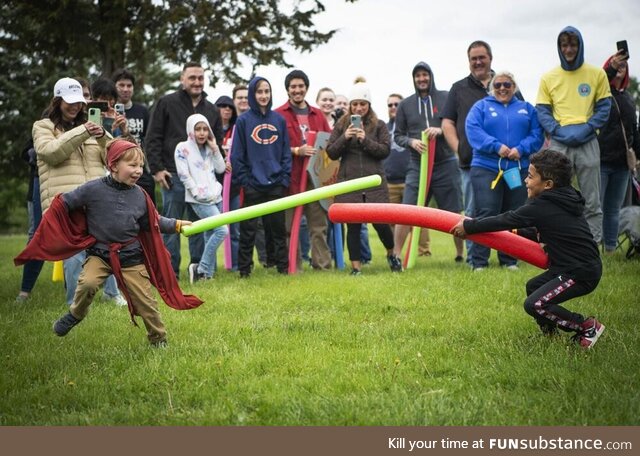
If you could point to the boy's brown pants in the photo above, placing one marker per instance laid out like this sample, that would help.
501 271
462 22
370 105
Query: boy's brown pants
95 271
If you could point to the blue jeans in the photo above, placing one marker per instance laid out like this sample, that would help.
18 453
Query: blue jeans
490 202
305 243
234 230
72 269
469 207
212 238
32 268
613 186
365 249
174 206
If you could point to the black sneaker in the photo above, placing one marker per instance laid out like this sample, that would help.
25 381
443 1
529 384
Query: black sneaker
160 343
65 324
549 330
355 272
194 275
244 275
394 263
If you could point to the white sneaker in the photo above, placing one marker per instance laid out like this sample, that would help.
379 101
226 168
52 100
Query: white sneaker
118 300
512 267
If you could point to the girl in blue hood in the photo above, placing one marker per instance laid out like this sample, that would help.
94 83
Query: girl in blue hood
261 163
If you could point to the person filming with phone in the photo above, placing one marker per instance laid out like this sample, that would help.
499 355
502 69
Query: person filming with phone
361 141
70 151
619 142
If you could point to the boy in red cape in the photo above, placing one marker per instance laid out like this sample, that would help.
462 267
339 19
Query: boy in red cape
115 221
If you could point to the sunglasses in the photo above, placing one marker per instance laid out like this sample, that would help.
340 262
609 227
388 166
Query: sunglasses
506 85
392 105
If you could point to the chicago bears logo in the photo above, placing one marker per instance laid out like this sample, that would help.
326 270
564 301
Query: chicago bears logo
584 90
267 137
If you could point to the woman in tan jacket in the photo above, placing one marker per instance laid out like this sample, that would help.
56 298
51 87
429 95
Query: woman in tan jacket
70 152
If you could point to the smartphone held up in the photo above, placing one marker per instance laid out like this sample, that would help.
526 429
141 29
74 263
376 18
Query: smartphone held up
623 48
356 121
94 116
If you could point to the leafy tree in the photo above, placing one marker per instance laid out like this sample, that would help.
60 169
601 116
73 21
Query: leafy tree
41 41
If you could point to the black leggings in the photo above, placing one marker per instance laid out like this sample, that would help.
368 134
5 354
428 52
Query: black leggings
544 294
353 238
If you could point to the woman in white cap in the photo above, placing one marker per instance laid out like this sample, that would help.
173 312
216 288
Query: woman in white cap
361 141
70 151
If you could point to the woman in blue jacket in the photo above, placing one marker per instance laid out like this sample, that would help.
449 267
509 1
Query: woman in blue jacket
503 132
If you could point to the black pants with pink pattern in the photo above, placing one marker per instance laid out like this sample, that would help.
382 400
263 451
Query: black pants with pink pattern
546 291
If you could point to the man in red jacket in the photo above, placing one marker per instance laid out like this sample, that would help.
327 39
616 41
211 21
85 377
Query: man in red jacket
302 118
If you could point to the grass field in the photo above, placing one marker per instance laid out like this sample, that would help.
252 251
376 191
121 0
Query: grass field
436 345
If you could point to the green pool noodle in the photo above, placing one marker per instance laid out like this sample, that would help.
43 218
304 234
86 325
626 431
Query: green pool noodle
281 204
422 196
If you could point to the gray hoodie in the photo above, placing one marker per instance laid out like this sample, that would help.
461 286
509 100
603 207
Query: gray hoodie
415 114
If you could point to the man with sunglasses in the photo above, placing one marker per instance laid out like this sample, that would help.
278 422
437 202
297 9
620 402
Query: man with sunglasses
416 114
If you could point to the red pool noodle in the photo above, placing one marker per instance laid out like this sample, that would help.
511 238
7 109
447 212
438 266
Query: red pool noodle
437 219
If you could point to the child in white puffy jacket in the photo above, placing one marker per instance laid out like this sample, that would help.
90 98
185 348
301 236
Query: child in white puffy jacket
198 159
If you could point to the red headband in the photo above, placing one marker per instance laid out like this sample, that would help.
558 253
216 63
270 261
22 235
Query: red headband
116 150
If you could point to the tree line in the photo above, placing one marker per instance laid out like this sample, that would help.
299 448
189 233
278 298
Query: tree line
43 41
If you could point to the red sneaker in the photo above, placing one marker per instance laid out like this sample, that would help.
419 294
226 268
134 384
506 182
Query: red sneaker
592 330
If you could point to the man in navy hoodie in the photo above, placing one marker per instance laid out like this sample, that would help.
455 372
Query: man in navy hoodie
261 163
573 103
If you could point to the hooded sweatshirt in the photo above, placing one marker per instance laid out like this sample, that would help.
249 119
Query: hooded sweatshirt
415 114
260 154
196 166
574 98
556 214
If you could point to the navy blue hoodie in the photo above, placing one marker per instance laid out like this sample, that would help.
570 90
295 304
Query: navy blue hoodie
260 153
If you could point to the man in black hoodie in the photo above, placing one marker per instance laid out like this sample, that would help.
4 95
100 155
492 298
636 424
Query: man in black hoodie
554 217
417 113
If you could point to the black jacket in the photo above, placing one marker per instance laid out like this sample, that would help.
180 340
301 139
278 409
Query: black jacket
613 149
168 126
557 215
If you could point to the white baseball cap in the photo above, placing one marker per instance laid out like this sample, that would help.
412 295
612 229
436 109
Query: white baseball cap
69 90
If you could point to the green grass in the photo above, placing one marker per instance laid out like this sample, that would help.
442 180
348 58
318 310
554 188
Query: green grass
437 345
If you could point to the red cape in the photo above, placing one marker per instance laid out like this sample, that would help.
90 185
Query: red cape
61 234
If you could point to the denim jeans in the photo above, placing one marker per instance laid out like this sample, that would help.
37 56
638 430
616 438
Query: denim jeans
490 202
32 268
469 207
212 238
174 206
365 249
73 267
613 186
234 232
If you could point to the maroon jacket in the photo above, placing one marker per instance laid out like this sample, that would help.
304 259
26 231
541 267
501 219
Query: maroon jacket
61 234
317 122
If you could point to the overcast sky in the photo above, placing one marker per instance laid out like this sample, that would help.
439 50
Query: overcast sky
383 39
